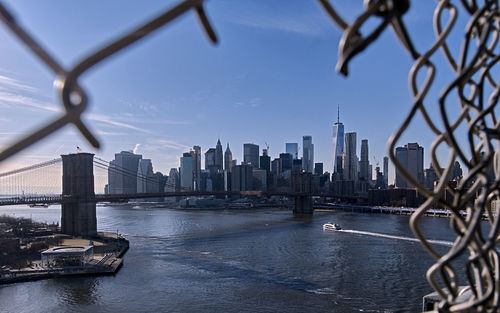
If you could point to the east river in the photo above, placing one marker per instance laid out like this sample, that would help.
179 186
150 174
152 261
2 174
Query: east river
241 261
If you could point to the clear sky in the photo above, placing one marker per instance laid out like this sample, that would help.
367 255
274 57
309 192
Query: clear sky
270 79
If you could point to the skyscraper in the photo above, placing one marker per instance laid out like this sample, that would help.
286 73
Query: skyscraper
145 177
218 156
386 171
350 169
251 154
187 171
228 159
457 171
307 154
242 178
318 168
286 162
293 149
210 160
196 166
338 144
265 161
411 157
364 164
275 166
122 173
173 181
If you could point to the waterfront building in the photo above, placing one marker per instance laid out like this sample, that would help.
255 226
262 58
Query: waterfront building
111 186
122 173
286 162
364 164
227 181
172 184
67 257
293 149
307 154
457 171
251 154
259 179
210 161
196 166
228 159
218 156
338 144
318 168
350 169
145 177
411 156
380 179
431 177
159 181
205 181
265 161
186 171
173 181
242 177
218 181
386 171
296 166
275 166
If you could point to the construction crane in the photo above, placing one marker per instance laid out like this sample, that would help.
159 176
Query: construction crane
267 148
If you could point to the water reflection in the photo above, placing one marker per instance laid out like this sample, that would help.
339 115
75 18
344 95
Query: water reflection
75 291
244 261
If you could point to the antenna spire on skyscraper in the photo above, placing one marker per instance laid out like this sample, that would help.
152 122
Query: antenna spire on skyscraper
338 113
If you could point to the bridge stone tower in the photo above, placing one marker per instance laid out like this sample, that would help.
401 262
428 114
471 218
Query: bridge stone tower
302 183
78 216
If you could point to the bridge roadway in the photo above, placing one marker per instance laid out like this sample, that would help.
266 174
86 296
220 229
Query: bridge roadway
117 197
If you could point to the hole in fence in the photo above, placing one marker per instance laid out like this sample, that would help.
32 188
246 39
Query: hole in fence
75 98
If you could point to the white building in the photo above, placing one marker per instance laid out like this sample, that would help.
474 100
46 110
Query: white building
67 256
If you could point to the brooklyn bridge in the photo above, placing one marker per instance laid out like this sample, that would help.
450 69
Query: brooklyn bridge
82 172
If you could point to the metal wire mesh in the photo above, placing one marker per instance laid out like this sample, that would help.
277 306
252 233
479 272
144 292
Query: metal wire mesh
476 191
478 93
73 97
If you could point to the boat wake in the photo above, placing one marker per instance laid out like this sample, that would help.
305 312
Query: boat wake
367 233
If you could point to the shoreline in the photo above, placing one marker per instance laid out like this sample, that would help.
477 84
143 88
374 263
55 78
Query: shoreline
109 264
385 210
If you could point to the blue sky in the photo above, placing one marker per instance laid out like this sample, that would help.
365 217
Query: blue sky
270 79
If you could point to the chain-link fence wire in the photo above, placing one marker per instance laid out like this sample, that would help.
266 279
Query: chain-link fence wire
473 194
73 97
472 83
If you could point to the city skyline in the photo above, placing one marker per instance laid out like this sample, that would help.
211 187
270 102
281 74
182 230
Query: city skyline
147 99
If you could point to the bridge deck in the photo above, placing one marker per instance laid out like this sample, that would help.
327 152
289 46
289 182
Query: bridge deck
118 197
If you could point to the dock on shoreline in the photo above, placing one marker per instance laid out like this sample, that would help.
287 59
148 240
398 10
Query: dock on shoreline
108 264
383 210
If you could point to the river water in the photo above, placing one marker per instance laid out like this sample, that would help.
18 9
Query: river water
242 261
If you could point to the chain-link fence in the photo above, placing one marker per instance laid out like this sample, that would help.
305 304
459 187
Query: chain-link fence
472 83
73 97
474 194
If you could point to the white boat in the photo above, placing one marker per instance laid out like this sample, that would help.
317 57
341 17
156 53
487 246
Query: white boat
331 226
39 205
